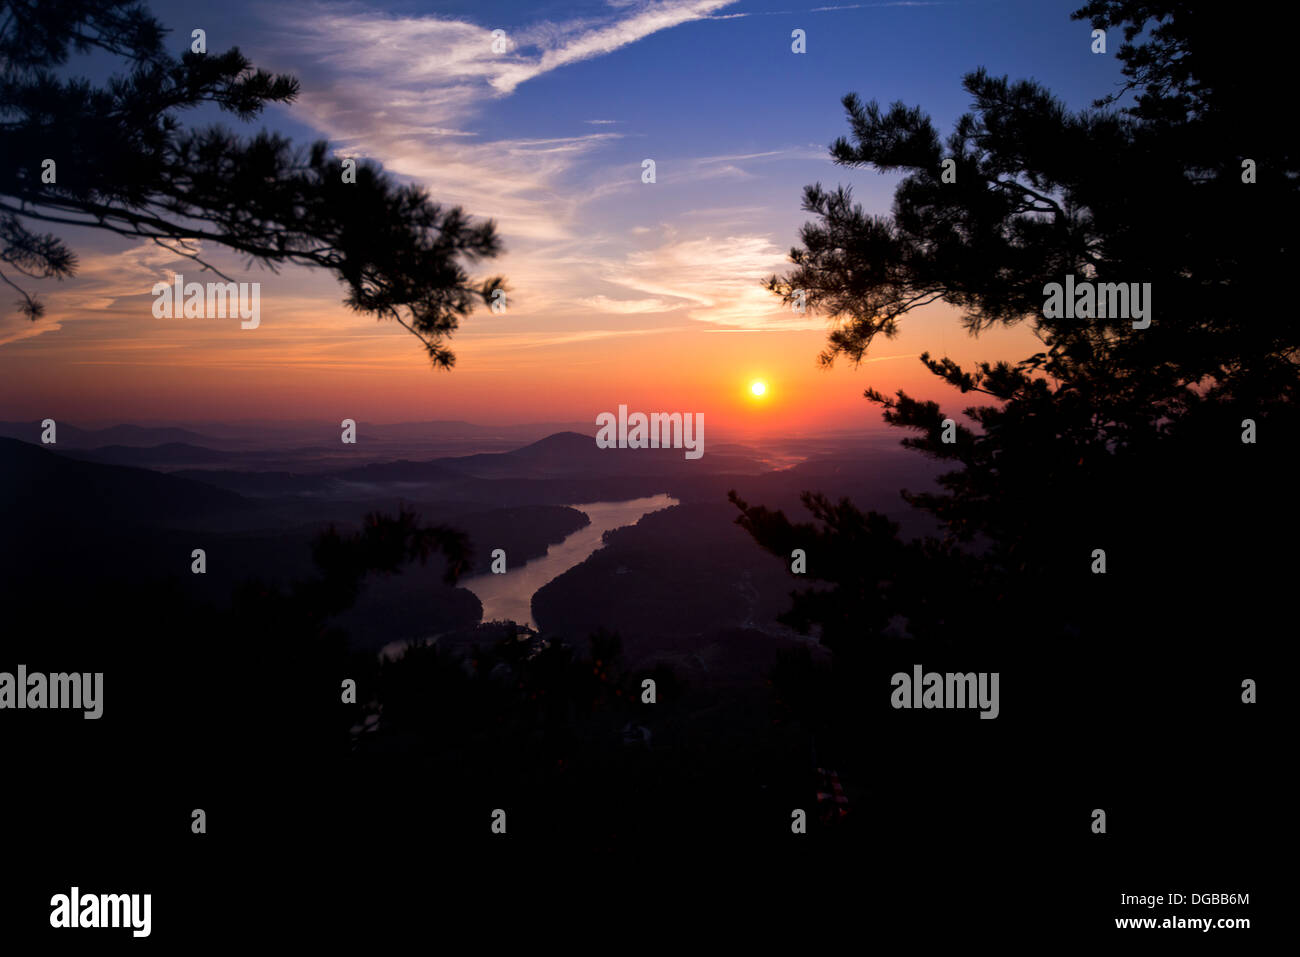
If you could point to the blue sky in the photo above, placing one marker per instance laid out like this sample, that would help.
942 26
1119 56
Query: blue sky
548 139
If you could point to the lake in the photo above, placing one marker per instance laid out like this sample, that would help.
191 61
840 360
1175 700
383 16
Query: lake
510 596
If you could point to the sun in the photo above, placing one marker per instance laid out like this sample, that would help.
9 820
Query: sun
758 388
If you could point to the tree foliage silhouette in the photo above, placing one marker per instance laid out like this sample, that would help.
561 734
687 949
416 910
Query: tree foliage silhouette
125 164
1110 437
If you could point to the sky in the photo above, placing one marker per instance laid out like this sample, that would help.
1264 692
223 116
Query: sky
622 292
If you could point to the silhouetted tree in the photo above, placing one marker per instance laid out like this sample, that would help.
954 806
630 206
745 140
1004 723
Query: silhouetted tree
125 164
384 544
1112 437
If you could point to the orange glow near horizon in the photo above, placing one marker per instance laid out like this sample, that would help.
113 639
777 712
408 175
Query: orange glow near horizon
311 360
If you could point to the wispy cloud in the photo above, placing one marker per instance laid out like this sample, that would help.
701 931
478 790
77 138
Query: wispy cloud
15 327
715 280
648 19
410 108
628 307
102 279
535 341
847 6
891 3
